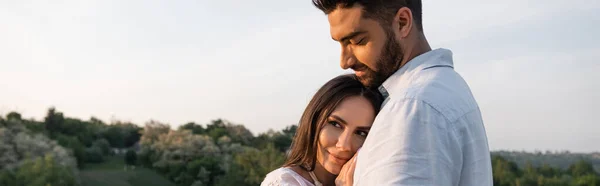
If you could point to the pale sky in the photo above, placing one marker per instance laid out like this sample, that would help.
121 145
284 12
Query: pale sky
532 65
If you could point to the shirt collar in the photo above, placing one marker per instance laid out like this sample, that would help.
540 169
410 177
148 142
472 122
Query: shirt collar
435 58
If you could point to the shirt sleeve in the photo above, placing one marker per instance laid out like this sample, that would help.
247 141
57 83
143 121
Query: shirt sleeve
282 178
409 144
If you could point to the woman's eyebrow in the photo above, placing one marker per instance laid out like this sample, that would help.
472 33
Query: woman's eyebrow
342 121
339 119
363 128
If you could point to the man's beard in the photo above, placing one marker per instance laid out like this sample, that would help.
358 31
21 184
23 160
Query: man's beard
388 62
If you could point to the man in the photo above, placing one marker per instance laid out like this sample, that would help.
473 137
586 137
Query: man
430 130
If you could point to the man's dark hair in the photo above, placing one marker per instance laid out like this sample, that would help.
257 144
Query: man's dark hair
380 10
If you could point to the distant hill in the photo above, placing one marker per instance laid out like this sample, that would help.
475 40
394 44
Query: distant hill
555 159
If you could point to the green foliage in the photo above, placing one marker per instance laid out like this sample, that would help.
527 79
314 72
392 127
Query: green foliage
40 172
78 129
122 135
236 176
145 158
89 141
115 136
112 173
7 178
209 169
587 180
33 159
232 161
34 126
257 163
219 128
103 145
94 155
14 118
132 135
559 159
195 128
216 129
548 171
130 157
221 153
13 115
506 173
581 168
281 140
77 148
53 121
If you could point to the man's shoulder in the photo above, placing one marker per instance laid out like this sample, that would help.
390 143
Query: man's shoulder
441 88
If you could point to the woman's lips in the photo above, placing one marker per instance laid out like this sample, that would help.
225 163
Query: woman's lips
337 159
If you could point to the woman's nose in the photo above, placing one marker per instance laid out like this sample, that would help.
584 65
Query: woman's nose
344 142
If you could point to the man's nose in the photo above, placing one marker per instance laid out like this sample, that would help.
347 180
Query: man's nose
347 59
344 142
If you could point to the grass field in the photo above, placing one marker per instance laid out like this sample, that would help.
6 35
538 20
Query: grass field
111 173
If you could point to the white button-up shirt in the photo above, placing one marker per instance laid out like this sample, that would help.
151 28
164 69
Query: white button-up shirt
429 131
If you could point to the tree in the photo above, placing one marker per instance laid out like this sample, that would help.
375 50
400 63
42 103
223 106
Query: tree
504 172
195 128
130 157
114 135
216 129
182 156
103 146
45 171
548 171
72 143
257 163
132 136
13 115
205 169
290 131
581 168
282 142
33 159
7 178
79 129
587 180
122 134
8 152
94 155
239 134
150 136
53 121
152 131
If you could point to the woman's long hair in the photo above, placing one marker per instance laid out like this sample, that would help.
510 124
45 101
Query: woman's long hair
304 145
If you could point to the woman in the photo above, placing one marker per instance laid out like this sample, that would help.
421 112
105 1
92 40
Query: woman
332 128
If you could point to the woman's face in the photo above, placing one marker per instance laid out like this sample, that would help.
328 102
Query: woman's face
344 132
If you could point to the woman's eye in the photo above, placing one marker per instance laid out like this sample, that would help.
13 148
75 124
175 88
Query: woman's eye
362 133
335 124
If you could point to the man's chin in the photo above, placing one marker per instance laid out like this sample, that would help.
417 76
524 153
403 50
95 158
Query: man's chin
367 82
364 81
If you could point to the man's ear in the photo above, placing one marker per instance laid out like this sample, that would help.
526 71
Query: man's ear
403 23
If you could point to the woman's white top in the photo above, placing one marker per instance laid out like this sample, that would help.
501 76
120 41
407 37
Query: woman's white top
285 176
